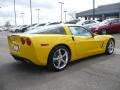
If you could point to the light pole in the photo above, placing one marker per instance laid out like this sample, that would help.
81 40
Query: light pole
15 13
65 15
61 3
38 14
31 11
22 16
93 9
119 13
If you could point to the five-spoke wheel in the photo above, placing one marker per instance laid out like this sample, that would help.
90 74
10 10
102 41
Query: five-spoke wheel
110 47
59 58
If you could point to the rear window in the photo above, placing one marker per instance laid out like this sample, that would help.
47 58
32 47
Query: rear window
52 30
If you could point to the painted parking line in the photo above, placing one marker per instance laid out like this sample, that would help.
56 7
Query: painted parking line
117 51
3 36
3 59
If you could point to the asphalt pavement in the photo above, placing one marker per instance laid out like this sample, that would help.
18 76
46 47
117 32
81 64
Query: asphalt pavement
101 72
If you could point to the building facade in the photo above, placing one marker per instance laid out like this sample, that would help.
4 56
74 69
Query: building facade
102 12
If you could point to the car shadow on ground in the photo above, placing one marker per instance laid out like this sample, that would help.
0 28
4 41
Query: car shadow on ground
89 61
81 63
24 75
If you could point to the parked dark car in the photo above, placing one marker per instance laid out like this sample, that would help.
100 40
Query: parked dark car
24 28
108 26
19 28
85 22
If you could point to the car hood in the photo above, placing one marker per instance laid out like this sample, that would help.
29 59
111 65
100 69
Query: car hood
99 25
90 25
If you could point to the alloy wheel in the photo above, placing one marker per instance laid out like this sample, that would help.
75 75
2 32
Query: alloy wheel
60 58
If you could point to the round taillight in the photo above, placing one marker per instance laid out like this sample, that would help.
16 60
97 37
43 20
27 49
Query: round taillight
23 41
28 41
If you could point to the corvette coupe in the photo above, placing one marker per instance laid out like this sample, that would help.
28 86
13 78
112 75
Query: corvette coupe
57 45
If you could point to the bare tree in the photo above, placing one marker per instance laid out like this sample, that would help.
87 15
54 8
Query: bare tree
72 14
7 25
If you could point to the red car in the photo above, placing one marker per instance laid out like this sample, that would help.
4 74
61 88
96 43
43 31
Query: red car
107 26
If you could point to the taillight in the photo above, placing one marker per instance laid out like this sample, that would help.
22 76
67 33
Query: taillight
23 40
28 41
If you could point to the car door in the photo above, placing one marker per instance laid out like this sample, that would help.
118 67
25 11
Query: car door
85 43
114 26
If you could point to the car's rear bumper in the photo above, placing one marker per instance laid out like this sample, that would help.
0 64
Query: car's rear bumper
22 59
26 60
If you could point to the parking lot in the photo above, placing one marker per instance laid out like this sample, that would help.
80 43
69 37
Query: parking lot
101 72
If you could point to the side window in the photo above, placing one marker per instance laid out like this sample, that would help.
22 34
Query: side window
80 31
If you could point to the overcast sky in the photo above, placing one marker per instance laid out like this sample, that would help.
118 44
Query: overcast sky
50 9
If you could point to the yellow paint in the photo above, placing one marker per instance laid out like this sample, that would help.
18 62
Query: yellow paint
81 46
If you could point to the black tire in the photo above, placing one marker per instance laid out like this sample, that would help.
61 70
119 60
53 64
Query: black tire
110 49
24 29
58 54
118 32
104 32
19 59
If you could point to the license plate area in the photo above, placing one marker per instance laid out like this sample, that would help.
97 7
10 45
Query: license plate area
15 47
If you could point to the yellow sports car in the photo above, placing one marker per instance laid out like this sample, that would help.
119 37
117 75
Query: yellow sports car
57 45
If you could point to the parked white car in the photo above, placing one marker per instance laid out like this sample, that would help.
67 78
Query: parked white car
89 26
36 26
15 29
4 28
85 22
1 29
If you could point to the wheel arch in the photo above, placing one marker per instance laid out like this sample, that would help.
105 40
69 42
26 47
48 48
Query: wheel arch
57 46
106 50
112 39
104 29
